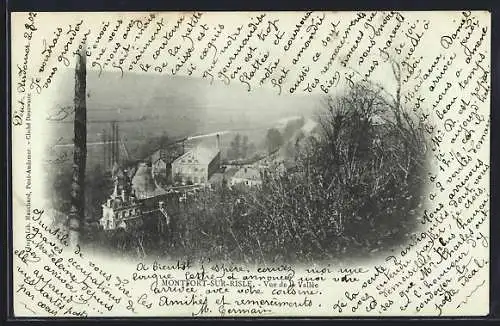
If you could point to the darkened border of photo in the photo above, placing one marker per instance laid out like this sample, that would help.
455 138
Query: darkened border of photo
6 294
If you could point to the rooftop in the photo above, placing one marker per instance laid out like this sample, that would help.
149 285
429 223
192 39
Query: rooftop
248 173
198 155
168 155
143 182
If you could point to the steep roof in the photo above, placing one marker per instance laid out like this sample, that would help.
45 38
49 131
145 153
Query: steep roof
143 182
159 154
198 155
168 155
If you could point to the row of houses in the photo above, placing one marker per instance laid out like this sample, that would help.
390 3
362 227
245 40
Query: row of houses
153 187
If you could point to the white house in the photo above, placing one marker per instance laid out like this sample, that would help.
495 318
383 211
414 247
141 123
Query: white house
249 176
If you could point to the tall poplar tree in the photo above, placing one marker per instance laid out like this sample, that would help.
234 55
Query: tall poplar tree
77 211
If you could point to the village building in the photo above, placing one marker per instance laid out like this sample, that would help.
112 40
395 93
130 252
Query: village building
196 166
118 209
273 162
161 163
143 182
126 211
248 176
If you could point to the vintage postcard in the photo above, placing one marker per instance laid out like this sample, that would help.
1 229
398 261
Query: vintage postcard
250 164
